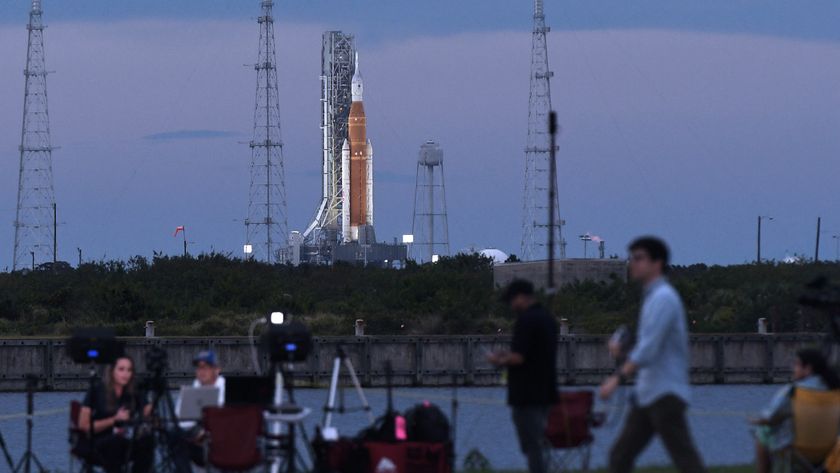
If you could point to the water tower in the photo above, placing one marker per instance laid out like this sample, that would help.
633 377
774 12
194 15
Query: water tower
429 225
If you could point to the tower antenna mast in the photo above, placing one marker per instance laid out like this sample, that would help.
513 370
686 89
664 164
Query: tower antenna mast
34 229
537 152
266 225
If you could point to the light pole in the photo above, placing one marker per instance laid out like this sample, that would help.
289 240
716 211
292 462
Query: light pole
836 247
80 256
758 246
33 259
585 238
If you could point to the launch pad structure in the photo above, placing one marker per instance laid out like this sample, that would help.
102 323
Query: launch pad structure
338 52
342 228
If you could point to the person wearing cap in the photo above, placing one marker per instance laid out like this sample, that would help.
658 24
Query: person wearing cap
531 363
187 446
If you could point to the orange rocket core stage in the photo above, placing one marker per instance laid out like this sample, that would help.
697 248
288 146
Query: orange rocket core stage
357 134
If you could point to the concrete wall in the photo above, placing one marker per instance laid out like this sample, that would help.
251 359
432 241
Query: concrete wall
417 361
565 271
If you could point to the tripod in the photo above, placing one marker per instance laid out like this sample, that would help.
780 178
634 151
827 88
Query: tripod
6 454
164 408
292 415
335 388
25 463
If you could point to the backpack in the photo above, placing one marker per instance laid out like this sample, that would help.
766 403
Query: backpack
427 423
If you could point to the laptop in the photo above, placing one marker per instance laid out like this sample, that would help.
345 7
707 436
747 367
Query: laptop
249 390
194 400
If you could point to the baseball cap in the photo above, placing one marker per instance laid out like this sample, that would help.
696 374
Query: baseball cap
207 356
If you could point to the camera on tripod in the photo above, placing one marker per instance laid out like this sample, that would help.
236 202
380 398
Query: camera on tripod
157 360
289 342
94 346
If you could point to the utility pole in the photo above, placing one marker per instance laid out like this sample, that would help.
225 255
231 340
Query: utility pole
80 256
55 234
758 244
817 250
836 247
552 194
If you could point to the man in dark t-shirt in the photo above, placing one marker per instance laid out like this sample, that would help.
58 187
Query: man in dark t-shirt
532 370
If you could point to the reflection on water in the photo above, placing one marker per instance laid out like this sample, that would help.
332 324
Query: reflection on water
718 418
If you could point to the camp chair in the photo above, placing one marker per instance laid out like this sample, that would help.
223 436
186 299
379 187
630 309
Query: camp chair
816 426
569 431
74 435
234 435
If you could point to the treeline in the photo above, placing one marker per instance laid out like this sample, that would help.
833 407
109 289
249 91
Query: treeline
216 295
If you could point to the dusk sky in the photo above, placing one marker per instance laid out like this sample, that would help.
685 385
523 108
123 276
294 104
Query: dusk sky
684 119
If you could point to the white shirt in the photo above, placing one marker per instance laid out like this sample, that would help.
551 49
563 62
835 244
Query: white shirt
220 384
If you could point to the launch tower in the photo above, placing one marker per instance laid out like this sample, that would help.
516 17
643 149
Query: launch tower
338 52
265 228
34 220
535 215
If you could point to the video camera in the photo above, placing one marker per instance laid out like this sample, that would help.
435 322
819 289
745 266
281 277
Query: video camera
157 360
94 346
289 342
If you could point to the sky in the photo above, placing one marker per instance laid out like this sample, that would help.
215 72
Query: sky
679 118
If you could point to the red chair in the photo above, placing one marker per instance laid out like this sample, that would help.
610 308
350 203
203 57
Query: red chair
569 430
233 437
74 436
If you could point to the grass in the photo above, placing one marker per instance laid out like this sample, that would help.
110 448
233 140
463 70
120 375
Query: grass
671 469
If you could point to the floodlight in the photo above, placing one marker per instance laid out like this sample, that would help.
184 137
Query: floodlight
408 239
435 258
248 249
277 318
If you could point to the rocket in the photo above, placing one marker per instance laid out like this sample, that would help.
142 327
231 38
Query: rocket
356 166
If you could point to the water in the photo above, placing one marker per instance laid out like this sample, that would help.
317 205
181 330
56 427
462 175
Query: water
718 418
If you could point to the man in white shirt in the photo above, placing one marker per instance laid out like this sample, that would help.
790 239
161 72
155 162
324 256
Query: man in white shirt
187 446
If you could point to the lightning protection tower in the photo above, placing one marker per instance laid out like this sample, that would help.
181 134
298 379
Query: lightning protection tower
34 220
429 225
535 219
265 227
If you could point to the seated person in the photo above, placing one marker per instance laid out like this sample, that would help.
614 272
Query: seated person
111 405
188 443
774 431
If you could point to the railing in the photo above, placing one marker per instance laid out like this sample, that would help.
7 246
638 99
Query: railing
416 361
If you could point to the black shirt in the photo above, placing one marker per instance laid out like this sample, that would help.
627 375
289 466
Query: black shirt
534 382
98 400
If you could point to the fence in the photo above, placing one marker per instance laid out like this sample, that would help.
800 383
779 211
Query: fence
416 361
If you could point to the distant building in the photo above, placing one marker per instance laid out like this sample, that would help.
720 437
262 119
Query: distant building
566 271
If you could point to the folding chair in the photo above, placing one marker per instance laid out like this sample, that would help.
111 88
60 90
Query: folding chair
569 433
234 435
74 435
816 426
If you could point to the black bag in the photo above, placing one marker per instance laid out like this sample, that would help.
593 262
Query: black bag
427 423
384 429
